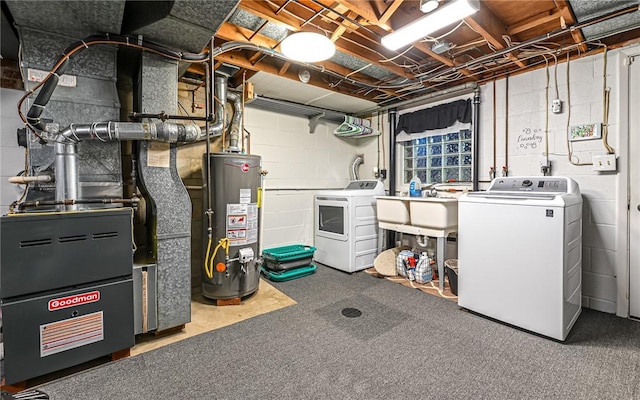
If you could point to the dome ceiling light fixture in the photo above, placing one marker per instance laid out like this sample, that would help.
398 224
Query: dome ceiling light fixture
307 47
428 5
446 15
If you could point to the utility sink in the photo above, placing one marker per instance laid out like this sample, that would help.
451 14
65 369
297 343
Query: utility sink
439 213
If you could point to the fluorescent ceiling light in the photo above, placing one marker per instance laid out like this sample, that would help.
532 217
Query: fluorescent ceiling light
307 47
446 15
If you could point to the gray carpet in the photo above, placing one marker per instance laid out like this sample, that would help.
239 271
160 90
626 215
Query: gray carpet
406 345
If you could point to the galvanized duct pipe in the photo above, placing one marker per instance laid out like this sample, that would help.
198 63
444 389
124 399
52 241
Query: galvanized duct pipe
234 129
168 132
65 142
66 174
354 166
220 99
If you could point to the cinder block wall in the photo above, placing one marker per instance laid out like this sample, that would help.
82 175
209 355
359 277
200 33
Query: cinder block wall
299 163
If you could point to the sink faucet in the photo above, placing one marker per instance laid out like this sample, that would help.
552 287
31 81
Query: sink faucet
429 190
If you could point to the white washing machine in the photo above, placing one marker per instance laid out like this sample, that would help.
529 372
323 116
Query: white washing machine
346 232
520 253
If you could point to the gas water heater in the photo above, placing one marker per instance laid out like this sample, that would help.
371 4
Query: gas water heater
232 202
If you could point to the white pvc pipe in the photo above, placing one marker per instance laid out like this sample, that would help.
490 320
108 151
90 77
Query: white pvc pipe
27 179
423 243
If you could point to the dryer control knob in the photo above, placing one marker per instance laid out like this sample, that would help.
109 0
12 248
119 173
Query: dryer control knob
527 183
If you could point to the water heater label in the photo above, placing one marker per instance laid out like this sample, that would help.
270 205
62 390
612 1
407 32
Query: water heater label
242 223
71 333
75 300
245 196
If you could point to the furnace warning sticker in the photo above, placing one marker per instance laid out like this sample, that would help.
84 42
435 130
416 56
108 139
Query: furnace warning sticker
159 154
71 333
242 223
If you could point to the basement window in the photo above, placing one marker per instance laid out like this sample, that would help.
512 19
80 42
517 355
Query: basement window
438 158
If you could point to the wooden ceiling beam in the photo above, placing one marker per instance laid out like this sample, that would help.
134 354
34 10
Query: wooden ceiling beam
284 68
492 29
239 59
231 32
349 45
535 21
576 34
343 27
364 8
382 21
236 80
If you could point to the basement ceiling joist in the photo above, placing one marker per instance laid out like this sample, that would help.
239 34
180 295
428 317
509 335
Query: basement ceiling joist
503 37
486 45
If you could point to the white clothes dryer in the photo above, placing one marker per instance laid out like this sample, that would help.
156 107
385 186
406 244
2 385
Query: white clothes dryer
346 233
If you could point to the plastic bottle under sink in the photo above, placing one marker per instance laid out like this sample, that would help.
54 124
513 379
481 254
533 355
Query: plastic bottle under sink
415 187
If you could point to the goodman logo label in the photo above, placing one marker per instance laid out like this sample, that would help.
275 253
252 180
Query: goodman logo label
75 300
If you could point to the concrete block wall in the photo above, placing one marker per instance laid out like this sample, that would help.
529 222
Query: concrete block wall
299 164
524 143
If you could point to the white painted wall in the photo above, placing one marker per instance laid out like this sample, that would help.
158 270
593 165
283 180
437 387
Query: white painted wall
604 213
11 156
300 163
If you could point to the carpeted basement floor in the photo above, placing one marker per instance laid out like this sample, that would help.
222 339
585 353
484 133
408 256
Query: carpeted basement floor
405 345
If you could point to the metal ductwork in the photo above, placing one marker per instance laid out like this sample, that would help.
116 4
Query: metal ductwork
359 159
75 169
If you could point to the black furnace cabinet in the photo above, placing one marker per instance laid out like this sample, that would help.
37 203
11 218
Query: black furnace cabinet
66 289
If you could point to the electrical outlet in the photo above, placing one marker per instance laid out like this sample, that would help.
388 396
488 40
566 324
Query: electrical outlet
606 162
556 106
545 167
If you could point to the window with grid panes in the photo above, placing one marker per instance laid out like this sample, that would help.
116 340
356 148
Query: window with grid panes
439 158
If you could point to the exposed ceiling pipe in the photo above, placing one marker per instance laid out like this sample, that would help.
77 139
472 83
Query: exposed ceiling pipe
465 88
532 41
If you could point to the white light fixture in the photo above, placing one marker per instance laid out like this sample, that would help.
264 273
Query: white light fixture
428 5
446 15
307 47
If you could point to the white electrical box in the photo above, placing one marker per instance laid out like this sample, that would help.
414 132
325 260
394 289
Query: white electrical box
605 162
245 255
